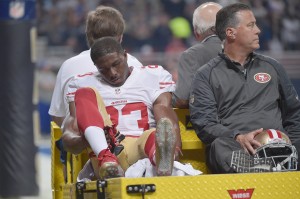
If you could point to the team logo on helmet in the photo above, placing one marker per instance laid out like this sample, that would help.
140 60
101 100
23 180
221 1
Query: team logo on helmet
262 77
276 136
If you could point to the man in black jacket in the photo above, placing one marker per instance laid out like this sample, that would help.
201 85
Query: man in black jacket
238 94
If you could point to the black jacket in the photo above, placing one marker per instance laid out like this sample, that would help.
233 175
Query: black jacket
225 100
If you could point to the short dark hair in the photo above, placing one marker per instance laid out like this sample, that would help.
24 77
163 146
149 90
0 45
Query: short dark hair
226 17
102 22
104 46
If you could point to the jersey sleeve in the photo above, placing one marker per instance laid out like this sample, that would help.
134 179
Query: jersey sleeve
72 87
57 106
165 82
84 80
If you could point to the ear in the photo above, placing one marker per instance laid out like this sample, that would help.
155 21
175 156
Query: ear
197 36
230 33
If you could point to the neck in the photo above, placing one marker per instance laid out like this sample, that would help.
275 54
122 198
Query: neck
130 68
235 53
203 36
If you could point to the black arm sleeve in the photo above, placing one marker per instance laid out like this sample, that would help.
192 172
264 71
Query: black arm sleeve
290 104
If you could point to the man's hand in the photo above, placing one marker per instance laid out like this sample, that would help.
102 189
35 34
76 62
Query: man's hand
247 141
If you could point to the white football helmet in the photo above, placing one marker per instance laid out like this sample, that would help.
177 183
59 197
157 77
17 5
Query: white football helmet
276 154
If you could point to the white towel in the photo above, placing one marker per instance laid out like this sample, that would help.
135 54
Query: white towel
86 173
145 168
142 168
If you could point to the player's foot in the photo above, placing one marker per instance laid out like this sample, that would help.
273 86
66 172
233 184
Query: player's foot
165 141
108 165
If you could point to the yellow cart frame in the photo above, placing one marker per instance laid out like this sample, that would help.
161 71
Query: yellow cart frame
235 186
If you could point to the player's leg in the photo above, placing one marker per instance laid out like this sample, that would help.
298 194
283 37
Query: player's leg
130 153
92 118
159 146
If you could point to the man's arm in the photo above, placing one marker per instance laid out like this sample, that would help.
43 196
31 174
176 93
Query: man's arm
179 103
57 120
162 108
72 139
203 110
289 104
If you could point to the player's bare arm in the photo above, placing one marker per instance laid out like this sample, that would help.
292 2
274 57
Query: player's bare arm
180 103
73 141
57 120
162 107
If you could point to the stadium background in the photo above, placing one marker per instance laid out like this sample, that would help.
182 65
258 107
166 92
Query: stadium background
153 36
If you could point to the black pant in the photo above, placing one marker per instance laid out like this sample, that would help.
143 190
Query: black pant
218 154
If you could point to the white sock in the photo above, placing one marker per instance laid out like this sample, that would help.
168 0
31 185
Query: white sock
96 138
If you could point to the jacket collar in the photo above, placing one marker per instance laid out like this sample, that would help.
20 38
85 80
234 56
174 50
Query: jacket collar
235 65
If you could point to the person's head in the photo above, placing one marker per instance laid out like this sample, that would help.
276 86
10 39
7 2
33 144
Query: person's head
204 19
111 60
102 22
236 23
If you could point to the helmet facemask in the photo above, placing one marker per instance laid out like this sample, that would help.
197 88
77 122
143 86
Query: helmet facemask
276 154
280 156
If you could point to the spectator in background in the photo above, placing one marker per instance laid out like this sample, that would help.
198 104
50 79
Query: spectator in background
290 32
276 9
162 33
209 45
104 21
74 30
263 22
174 8
269 14
181 30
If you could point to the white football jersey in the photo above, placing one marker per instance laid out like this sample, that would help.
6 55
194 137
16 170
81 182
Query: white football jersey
130 106
79 64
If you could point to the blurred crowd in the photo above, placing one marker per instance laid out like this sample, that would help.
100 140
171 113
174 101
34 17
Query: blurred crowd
163 25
